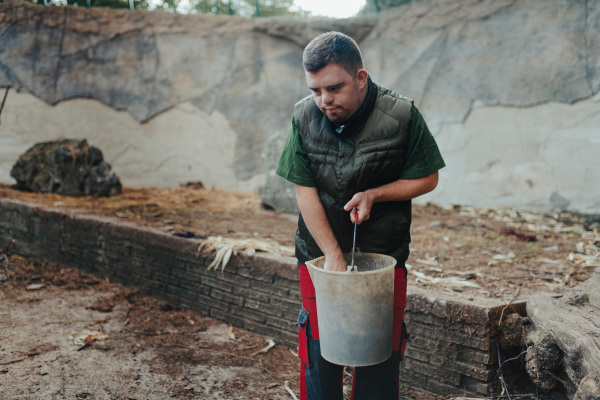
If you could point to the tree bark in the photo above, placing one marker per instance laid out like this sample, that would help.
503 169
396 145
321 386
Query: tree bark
564 352
589 388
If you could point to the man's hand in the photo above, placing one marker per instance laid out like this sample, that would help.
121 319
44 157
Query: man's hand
402 189
316 221
335 262
360 204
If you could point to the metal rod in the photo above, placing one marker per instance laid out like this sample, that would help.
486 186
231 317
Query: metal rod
354 241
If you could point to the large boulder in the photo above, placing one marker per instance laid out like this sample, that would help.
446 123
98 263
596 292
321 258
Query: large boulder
278 193
66 166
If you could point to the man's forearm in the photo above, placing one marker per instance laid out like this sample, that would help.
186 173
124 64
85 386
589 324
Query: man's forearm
317 223
402 189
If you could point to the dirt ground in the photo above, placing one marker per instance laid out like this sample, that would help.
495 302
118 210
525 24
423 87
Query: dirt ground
69 335
134 347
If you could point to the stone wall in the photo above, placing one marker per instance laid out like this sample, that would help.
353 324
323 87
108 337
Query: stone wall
453 344
452 348
508 87
258 293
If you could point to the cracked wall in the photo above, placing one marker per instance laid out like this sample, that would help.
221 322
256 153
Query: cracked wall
540 157
507 87
164 151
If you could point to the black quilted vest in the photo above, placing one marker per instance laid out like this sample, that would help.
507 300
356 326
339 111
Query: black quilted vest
369 153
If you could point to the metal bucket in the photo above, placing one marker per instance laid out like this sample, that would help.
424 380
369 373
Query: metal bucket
355 309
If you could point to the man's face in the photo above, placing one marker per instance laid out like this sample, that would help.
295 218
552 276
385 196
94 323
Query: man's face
337 93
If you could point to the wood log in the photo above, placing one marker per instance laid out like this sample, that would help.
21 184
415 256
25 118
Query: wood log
511 334
589 388
565 340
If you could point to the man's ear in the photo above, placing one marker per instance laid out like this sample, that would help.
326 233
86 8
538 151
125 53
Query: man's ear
361 77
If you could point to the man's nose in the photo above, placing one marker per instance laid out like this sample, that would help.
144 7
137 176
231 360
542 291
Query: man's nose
326 98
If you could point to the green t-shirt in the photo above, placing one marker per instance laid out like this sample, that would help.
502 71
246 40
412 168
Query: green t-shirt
422 155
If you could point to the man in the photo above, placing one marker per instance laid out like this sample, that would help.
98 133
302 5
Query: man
354 149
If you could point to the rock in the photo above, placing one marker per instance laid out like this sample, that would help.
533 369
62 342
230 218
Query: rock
559 202
278 193
66 166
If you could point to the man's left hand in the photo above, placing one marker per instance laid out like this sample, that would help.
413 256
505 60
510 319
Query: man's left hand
400 190
360 204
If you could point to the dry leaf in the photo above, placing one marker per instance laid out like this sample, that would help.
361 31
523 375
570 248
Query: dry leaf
86 336
585 260
498 258
226 247
449 281
429 261
264 349
287 387
503 257
549 261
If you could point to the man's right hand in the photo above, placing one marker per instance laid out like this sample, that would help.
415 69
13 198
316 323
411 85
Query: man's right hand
335 263
316 221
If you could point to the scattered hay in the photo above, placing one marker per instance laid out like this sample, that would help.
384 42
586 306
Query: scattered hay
226 247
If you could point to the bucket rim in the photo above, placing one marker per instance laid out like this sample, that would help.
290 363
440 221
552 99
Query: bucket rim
310 265
338 361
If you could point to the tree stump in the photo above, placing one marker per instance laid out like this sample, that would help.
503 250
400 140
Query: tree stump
564 342
589 388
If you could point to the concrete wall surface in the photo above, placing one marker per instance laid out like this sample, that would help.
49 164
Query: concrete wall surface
509 89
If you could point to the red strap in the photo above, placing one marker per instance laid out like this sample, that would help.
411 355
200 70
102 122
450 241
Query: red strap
353 383
307 289
399 306
302 382
309 302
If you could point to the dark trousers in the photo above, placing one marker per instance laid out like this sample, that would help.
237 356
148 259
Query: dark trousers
324 379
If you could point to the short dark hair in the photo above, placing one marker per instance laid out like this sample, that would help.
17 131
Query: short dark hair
332 47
